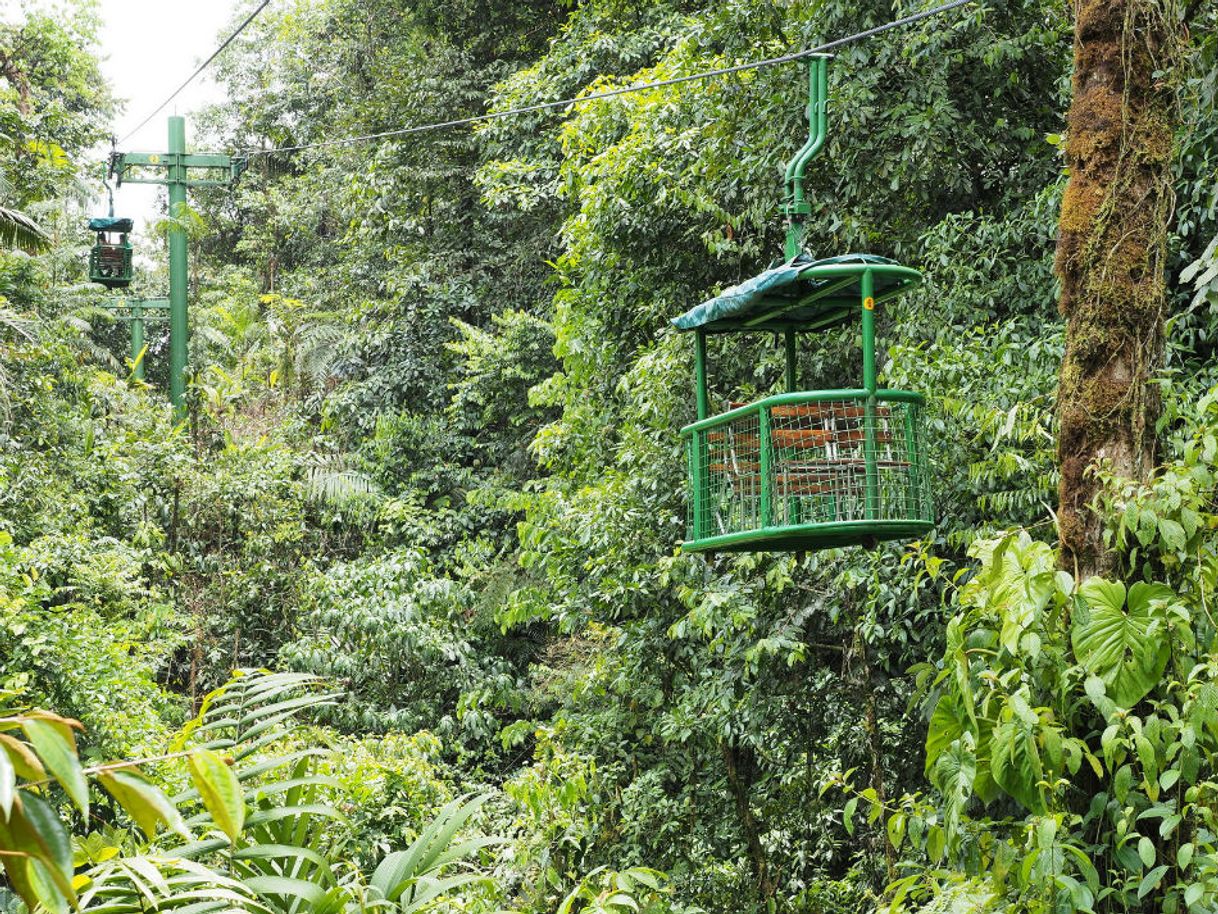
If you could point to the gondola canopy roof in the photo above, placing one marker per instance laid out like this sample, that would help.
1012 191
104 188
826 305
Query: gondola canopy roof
802 293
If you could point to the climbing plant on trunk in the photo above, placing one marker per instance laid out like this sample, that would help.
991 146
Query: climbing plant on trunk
1111 254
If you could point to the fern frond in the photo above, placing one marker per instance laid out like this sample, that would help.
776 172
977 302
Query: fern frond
337 485
254 704
17 325
152 883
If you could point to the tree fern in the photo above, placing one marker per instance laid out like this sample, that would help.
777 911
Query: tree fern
329 479
261 832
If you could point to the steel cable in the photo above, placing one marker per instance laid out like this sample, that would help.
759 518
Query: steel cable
624 90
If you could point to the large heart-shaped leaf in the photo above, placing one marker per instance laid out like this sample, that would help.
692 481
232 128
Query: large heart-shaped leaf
948 723
1126 646
1015 583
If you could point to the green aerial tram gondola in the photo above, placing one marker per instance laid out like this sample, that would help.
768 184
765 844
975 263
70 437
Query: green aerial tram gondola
110 258
805 470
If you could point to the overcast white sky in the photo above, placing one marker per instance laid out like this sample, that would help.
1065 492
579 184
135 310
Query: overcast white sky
149 47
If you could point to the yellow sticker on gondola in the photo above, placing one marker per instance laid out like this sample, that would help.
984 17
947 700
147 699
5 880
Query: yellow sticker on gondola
154 159
869 303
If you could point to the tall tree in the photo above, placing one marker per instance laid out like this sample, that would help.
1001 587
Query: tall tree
1111 254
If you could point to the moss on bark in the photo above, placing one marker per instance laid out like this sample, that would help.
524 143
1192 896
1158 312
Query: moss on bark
1111 253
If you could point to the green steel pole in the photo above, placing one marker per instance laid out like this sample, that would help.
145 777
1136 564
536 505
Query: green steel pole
766 452
797 206
698 441
867 283
869 384
793 512
700 370
179 327
137 341
789 346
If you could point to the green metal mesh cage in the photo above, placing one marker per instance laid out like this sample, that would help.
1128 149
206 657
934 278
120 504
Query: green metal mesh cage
111 264
808 470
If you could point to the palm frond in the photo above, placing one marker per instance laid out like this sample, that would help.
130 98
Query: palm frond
18 230
249 712
17 325
152 883
316 350
280 854
283 860
414 877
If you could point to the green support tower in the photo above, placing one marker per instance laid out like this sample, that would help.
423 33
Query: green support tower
176 169
137 311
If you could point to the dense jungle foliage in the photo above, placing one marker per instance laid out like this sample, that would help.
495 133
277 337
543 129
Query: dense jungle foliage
396 620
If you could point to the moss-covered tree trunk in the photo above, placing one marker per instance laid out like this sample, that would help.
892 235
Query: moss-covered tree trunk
741 771
1111 254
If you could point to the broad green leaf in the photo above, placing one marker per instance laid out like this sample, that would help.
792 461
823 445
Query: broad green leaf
1146 850
948 722
1098 693
34 829
1085 866
1151 881
649 877
896 829
848 814
52 739
954 775
220 791
1080 894
1016 764
52 835
1128 855
1150 765
1016 582
1121 782
936 839
143 801
1184 856
1116 643
1172 533
25 762
45 885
